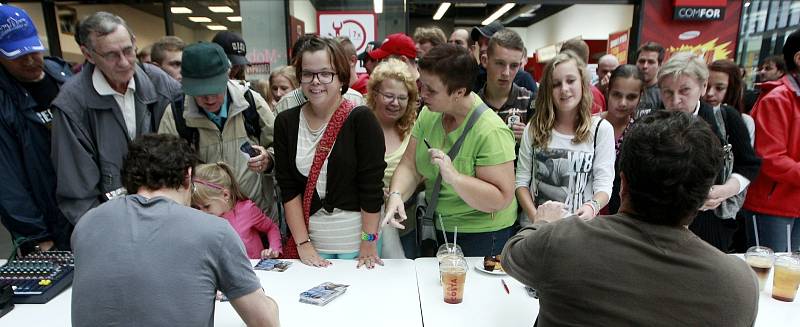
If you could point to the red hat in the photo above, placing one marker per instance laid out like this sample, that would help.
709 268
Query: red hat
395 44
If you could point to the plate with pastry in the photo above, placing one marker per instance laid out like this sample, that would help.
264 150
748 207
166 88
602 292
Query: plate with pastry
491 265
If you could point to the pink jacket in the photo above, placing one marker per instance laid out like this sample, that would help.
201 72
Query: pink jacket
249 221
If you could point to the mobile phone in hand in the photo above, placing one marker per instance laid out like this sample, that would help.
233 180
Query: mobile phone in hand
248 150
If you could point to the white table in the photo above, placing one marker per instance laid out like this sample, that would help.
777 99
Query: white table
487 304
384 296
485 301
772 312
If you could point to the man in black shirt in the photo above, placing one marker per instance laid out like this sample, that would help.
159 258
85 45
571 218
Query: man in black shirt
28 84
502 61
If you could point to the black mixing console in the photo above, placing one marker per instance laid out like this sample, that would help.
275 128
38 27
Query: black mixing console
39 276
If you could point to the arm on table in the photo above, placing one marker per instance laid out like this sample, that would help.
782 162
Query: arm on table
257 309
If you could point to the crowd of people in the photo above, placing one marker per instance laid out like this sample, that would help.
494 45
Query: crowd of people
133 160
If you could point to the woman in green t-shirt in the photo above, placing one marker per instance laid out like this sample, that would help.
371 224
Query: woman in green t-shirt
477 188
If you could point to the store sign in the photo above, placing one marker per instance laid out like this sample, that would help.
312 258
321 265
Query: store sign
699 10
359 26
710 39
684 13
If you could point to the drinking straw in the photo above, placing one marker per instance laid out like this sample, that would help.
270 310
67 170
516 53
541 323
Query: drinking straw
455 238
441 223
789 238
755 230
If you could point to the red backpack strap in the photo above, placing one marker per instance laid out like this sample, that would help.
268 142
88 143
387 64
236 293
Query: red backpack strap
323 149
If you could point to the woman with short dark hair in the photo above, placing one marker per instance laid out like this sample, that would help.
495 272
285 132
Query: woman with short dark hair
477 184
329 157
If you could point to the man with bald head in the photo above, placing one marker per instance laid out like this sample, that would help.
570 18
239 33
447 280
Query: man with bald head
605 65
460 37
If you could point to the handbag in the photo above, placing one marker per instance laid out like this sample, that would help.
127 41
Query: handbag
320 155
428 227
728 208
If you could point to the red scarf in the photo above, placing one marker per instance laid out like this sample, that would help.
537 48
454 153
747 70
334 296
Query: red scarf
323 149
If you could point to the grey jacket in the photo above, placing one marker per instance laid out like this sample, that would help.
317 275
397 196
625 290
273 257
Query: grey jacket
90 139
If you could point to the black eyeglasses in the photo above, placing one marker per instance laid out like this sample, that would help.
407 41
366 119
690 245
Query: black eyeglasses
115 56
389 98
323 77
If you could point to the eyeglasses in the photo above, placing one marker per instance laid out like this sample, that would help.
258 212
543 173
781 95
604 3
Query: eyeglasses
322 77
389 98
115 56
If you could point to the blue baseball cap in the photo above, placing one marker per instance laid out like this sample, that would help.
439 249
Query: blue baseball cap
18 35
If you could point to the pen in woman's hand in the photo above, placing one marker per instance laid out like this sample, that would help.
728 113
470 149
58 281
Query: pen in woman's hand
426 143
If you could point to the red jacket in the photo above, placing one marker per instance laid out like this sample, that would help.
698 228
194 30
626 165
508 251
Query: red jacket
776 190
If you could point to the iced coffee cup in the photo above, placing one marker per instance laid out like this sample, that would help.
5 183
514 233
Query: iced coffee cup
760 259
454 273
786 278
445 250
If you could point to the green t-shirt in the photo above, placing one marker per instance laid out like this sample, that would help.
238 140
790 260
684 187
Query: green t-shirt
489 142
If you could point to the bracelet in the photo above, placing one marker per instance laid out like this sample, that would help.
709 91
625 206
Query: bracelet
369 237
304 242
396 192
595 206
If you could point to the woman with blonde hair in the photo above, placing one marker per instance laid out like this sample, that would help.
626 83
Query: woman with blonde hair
564 134
392 95
281 81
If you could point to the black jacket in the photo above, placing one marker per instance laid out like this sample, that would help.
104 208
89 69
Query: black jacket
745 161
28 207
355 164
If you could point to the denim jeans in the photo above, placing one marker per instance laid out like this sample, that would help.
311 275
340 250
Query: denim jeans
479 244
772 231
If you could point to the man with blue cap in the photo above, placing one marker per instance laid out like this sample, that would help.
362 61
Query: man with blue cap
28 84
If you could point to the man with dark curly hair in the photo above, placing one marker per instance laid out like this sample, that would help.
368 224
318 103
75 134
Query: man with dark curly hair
642 266
149 259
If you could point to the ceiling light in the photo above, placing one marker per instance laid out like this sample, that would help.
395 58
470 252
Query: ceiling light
220 8
235 18
440 12
200 19
180 10
500 12
378 4
216 27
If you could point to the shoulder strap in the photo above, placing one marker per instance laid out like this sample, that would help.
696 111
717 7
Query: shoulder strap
252 124
719 119
437 186
596 129
187 133
323 148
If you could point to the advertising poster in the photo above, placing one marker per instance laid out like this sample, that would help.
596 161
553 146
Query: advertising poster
706 27
359 26
618 46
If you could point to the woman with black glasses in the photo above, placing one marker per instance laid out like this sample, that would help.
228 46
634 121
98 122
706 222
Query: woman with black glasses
329 157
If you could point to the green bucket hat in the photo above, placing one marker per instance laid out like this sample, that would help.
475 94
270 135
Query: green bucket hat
204 67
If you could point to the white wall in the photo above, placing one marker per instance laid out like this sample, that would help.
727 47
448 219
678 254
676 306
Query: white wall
590 22
305 11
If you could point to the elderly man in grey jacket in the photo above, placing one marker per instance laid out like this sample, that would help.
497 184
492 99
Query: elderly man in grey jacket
111 102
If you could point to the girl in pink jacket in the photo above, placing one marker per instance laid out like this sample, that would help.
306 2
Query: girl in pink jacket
217 193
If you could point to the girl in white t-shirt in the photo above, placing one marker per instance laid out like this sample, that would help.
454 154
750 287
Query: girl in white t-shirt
576 149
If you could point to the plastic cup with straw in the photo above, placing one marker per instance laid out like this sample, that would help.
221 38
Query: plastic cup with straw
760 259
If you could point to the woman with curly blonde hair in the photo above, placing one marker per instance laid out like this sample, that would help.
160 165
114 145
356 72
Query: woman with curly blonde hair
568 155
392 95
